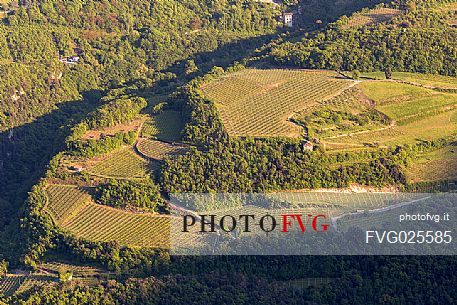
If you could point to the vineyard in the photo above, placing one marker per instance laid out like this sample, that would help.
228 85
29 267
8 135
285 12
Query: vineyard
65 201
76 270
402 101
157 150
417 113
10 284
101 223
16 284
259 103
437 165
122 164
346 113
371 17
166 126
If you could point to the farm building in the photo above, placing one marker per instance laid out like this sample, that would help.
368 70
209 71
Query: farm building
308 146
288 19
72 60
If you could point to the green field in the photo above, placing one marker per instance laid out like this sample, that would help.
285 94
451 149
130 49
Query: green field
123 164
417 114
402 101
438 81
166 126
430 128
345 113
434 166
259 103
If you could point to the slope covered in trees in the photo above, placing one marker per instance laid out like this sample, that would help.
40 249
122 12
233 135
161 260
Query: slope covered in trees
120 62
416 41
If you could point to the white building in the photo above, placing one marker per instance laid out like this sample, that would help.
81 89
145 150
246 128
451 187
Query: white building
288 19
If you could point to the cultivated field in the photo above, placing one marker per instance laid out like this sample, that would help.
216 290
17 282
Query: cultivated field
166 126
101 223
348 112
10 284
417 114
259 103
65 201
371 17
157 150
75 213
123 164
340 113
434 166
428 80
404 102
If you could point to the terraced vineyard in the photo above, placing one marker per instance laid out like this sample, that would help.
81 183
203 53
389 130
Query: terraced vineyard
65 201
157 150
166 126
259 103
34 281
10 284
371 17
101 223
404 102
122 164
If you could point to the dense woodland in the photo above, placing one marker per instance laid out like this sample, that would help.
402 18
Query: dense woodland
273 280
419 41
128 49
125 40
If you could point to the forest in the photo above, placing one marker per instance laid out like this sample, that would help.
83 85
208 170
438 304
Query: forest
72 68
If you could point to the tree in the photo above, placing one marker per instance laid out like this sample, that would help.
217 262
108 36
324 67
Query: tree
65 275
191 67
388 72
3 268
355 74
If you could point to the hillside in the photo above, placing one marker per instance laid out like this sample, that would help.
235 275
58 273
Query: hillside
111 109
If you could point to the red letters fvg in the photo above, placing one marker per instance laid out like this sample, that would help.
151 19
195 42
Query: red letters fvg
288 219
246 223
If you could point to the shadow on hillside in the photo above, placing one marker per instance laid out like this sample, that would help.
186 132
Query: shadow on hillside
25 151
223 56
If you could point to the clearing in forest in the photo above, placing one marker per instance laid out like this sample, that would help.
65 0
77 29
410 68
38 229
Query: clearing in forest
259 103
166 126
111 131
